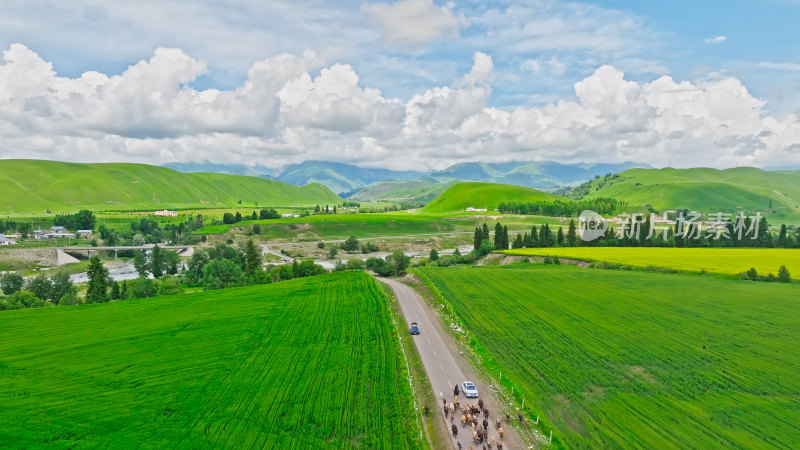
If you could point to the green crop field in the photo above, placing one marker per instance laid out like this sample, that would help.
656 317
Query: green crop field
774 193
307 363
483 195
616 359
716 260
30 186
339 226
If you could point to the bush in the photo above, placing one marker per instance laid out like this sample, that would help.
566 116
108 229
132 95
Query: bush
321 244
70 298
783 275
221 273
143 288
369 247
353 264
752 274
11 283
485 248
26 298
170 286
399 260
350 245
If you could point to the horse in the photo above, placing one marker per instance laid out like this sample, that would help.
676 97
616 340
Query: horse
475 436
485 424
455 390
480 403
497 423
455 430
500 432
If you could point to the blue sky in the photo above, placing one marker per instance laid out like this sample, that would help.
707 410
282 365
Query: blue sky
538 51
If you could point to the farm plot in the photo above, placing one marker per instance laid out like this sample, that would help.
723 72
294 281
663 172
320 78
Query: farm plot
716 260
637 359
308 363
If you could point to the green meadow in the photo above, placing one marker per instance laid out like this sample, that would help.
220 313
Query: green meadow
307 363
619 359
339 226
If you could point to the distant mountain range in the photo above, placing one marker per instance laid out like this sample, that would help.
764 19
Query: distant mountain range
359 183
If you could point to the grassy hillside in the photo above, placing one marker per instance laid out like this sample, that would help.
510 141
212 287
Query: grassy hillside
706 190
483 195
32 186
414 191
309 363
715 260
616 359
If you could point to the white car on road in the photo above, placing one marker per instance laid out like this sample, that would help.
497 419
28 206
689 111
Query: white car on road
469 389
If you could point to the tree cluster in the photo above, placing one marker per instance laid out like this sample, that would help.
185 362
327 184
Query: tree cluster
223 266
783 275
562 208
41 290
82 220
327 210
394 264
158 262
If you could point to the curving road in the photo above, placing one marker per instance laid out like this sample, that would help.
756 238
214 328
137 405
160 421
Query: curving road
440 365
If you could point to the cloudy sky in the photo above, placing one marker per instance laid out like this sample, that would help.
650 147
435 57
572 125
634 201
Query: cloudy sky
411 84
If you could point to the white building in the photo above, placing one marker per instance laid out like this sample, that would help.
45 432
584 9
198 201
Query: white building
166 213
6 241
471 209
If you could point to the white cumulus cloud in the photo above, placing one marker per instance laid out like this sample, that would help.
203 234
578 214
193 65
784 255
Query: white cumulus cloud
716 40
294 108
413 22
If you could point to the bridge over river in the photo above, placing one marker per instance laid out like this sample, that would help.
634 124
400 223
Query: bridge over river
62 253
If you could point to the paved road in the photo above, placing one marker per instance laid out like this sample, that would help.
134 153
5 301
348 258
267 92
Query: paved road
441 366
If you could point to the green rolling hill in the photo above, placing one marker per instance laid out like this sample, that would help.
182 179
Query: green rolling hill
483 195
774 193
32 186
411 191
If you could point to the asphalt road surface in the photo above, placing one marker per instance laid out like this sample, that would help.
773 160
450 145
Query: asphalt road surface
440 364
